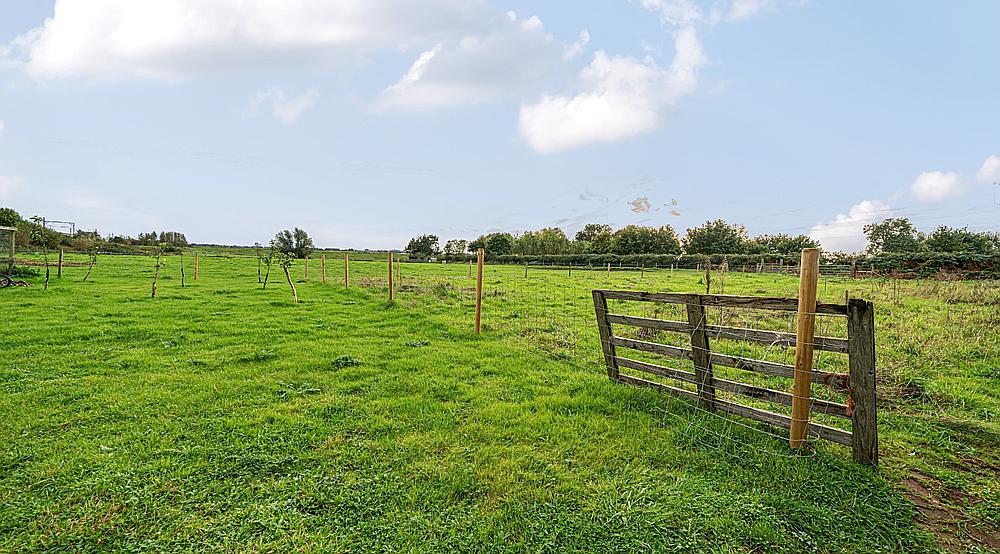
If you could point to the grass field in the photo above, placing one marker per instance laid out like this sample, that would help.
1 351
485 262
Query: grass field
219 416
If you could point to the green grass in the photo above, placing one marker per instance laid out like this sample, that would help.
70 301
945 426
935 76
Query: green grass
221 417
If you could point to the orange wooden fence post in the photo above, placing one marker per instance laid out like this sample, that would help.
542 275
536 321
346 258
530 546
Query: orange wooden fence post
390 276
195 266
479 289
323 263
347 272
804 336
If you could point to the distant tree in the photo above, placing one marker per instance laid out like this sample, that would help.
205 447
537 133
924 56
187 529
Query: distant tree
548 241
716 237
267 258
494 244
424 246
948 239
635 239
892 236
173 238
780 244
156 274
303 244
92 251
9 218
259 252
595 238
455 249
47 240
284 260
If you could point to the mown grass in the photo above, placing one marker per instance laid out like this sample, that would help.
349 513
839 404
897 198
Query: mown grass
221 417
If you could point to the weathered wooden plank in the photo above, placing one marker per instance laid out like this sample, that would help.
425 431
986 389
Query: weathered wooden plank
642 296
864 414
701 354
649 323
832 434
777 338
665 349
774 369
779 397
663 371
640 382
604 329
724 300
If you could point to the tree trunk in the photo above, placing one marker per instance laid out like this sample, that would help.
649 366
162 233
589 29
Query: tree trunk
295 294
266 275
89 269
156 276
182 270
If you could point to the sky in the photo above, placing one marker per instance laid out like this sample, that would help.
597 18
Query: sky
367 122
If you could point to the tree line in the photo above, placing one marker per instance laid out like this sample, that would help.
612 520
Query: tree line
711 238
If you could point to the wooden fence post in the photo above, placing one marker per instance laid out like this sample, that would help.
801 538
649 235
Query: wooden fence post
323 263
604 329
861 357
470 267
708 274
195 266
59 271
390 276
479 289
804 335
347 272
609 271
700 352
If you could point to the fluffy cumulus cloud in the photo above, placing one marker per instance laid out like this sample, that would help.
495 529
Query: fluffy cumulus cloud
934 186
846 232
513 57
178 39
616 97
285 108
988 173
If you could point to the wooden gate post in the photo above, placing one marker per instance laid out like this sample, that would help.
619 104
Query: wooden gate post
390 276
804 335
479 289
347 272
604 329
700 353
861 357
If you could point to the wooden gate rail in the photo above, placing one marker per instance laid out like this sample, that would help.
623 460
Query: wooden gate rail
859 382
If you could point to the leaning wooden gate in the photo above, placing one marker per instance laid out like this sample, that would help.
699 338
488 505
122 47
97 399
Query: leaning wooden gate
859 346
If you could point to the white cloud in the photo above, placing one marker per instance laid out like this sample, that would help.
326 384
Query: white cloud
675 12
518 55
178 39
284 108
743 9
989 172
846 232
934 186
9 185
618 97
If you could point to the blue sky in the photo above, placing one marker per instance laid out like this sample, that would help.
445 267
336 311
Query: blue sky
367 122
